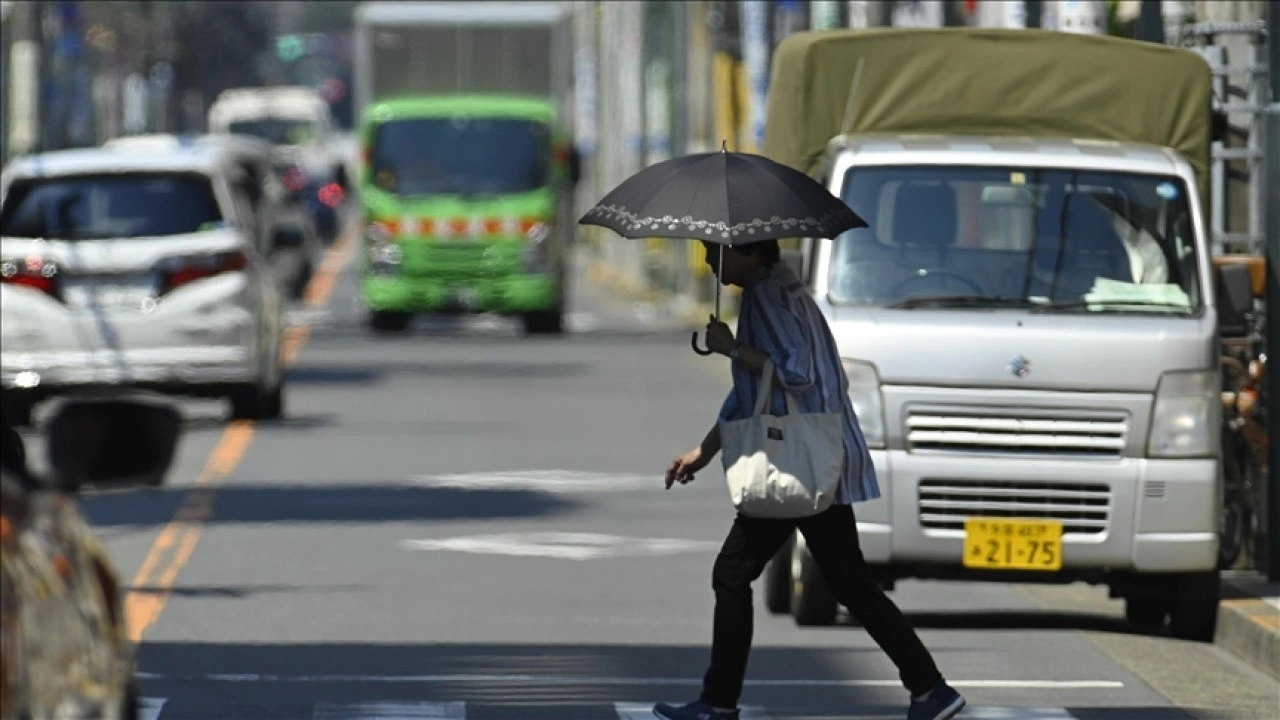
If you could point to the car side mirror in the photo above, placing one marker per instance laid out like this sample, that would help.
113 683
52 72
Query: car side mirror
112 441
1234 299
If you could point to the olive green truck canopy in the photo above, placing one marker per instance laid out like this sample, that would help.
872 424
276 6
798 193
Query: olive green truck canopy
963 81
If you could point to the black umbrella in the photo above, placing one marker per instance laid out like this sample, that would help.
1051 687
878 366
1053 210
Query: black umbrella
722 197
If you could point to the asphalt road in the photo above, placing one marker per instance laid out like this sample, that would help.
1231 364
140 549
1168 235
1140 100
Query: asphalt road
467 523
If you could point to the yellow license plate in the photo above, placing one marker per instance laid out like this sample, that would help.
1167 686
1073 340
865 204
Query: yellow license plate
1000 544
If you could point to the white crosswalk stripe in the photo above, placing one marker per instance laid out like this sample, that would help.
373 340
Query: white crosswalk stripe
158 708
149 708
391 711
644 711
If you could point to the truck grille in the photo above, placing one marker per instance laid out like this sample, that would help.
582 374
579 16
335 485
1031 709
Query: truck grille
1082 509
1020 435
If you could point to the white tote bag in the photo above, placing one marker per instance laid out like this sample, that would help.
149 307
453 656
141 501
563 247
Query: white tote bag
782 467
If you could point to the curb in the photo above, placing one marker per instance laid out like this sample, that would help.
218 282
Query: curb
1249 628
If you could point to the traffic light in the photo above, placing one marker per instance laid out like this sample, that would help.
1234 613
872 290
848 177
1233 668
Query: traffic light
289 47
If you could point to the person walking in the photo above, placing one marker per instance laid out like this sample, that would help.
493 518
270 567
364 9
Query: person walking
778 320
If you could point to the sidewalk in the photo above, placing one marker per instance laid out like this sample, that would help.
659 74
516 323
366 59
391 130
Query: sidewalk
1249 620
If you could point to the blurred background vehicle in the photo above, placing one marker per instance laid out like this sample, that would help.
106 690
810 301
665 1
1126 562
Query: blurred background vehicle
139 268
285 228
469 169
297 122
65 650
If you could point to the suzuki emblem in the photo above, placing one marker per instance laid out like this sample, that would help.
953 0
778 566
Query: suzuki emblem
1019 366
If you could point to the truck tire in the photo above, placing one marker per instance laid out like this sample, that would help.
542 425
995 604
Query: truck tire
777 580
811 601
387 321
543 322
258 403
1147 612
1193 614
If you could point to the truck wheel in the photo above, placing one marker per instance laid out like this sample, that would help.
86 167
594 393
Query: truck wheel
811 601
1194 611
258 403
777 580
387 321
1146 611
543 322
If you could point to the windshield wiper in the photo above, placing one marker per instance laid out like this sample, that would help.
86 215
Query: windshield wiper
960 301
1110 304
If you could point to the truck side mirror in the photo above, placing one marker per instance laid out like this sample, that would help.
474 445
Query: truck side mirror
1234 299
575 166
1218 127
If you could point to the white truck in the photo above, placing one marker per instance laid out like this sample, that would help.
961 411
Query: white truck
1029 324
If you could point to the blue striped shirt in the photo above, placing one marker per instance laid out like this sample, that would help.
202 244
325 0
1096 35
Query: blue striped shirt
779 318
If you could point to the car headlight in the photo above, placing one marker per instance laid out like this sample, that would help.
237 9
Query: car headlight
1186 415
868 405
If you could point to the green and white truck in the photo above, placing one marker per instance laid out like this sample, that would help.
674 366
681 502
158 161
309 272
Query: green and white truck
467 162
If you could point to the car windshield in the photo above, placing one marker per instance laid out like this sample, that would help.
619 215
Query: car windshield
1055 239
461 156
277 131
109 206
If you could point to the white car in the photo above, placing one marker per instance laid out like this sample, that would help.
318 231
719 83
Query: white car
137 268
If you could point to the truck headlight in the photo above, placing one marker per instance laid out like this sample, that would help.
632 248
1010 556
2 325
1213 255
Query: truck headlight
868 405
537 249
384 256
1186 415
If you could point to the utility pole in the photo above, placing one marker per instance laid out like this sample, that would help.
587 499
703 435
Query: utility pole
1273 291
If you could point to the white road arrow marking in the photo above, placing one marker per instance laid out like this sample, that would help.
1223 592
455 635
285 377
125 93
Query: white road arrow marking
149 708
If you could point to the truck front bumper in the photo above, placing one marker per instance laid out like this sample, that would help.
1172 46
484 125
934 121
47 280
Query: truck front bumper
505 295
1157 516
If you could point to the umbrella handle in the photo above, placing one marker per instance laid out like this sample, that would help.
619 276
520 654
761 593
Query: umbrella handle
694 342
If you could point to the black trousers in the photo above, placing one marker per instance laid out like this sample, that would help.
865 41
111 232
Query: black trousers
832 539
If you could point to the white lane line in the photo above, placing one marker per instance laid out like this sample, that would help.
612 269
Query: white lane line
1015 713
149 708
554 481
620 680
562 545
644 711
391 711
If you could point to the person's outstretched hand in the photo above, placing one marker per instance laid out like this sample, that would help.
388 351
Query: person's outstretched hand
685 466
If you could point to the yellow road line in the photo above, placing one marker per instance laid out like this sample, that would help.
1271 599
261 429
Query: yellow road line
173 547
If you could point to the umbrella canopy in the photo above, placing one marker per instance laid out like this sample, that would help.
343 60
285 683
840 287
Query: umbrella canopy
722 197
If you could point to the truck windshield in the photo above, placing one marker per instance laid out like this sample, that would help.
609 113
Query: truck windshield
460 156
1062 239
95 207
277 131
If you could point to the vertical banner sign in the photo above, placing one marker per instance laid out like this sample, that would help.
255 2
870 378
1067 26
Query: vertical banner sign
859 14
632 85
918 14
755 58
24 74
584 62
1088 17
824 14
